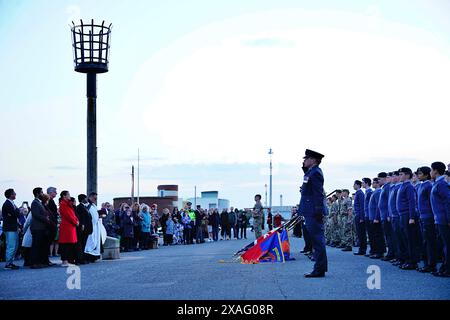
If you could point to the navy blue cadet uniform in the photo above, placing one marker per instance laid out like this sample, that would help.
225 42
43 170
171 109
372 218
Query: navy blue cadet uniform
313 208
406 207
440 204
358 208
385 221
377 246
367 196
427 224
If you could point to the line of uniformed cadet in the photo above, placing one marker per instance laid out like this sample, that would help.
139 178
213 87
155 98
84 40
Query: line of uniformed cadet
403 216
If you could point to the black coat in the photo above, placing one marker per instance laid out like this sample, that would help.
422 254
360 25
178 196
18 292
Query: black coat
40 220
224 219
85 219
127 225
10 216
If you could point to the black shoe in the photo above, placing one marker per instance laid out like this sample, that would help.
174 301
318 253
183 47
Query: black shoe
315 275
307 253
409 266
427 269
359 253
304 251
367 255
441 274
387 258
11 266
51 264
376 256
346 249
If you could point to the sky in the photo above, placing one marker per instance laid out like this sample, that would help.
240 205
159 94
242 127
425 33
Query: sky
205 88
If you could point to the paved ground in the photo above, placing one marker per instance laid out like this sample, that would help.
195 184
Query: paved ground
194 272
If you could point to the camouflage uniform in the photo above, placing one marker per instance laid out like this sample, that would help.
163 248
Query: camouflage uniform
335 229
331 221
345 223
257 219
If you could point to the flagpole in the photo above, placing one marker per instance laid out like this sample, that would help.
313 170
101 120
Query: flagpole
138 179
132 184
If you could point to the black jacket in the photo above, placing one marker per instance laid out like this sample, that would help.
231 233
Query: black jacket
40 220
85 219
10 215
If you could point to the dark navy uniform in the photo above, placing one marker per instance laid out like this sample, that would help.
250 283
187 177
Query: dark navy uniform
313 208
406 207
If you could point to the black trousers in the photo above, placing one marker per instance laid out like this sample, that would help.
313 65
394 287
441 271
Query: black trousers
379 246
143 243
137 236
226 231
236 231
68 252
215 232
187 235
243 231
26 252
387 232
362 235
429 236
444 234
39 247
409 233
128 243
369 231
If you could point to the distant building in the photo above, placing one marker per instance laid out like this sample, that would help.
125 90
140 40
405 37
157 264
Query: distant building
167 198
210 200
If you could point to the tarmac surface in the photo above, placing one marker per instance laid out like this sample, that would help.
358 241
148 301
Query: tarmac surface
195 272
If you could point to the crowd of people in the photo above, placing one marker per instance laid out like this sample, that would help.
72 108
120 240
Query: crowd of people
45 229
76 231
403 216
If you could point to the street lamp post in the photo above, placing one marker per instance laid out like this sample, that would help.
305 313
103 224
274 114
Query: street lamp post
270 192
91 43
265 198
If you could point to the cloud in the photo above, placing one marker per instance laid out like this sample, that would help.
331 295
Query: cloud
350 95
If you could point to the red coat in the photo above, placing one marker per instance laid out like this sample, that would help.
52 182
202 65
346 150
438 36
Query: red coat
68 226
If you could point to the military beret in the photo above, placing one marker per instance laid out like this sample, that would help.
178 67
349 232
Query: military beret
405 170
313 154
425 170
382 175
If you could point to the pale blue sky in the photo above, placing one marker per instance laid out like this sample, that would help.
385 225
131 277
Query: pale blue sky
196 84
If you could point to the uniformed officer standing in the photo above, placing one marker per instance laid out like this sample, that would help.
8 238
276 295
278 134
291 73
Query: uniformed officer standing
313 208
257 216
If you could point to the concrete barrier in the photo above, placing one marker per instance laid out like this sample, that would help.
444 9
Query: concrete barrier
111 248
